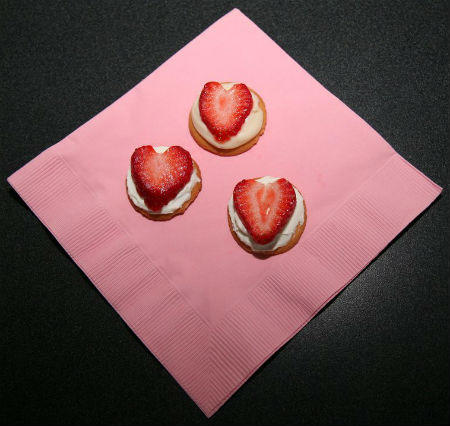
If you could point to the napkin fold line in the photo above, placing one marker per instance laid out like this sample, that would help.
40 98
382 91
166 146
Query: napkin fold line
212 362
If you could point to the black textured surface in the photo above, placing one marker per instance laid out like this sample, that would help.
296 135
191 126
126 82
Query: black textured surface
378 354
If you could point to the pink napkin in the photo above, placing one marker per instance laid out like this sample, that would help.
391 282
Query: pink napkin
210 312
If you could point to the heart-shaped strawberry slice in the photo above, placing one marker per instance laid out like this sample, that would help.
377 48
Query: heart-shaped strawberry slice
224 111
159 177
264 208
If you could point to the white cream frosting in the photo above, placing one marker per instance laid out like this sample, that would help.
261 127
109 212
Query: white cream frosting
283 237
251 127
172 205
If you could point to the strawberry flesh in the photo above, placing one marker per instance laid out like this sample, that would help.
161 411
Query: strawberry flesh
224 111
264 209
160 177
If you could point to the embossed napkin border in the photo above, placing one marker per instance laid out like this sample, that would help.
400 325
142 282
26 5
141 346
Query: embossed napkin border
212 362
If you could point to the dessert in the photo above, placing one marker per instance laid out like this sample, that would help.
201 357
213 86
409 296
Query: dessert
162 181
227 118
266 215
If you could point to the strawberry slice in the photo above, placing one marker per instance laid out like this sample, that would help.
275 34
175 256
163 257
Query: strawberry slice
160 177
224 111
264 208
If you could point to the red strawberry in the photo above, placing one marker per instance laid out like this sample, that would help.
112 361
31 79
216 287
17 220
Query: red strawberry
159 177
264 208
224 111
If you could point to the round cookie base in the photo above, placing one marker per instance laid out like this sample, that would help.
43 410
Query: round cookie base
233 151
260 254
162 217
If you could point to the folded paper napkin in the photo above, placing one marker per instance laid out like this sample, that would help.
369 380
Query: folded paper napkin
210 312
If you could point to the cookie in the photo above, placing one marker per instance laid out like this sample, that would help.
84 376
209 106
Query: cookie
266 216
162 182
227 118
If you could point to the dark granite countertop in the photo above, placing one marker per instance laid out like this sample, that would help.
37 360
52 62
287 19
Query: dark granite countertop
377 354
